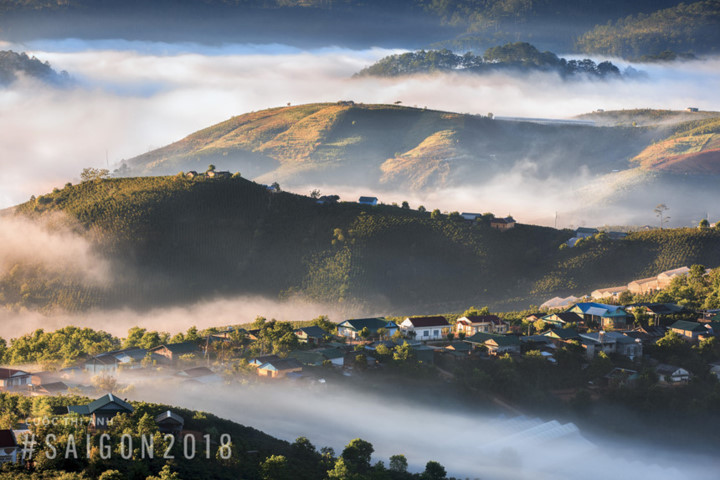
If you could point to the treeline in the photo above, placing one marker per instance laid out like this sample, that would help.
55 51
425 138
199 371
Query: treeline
518 56
662 35
249 454
13 65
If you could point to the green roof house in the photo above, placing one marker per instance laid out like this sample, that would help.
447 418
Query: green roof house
102 410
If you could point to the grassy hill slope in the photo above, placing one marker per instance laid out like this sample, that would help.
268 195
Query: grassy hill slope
174 240
350 144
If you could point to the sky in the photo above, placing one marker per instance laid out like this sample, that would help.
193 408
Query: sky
130 97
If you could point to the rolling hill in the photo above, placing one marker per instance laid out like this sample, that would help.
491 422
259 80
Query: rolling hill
172 240
399 147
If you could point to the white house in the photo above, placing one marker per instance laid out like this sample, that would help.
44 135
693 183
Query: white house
426 328
671 373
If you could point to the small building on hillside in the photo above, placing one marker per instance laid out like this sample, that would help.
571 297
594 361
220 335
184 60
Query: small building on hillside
279 368
172 352
607 317
644 285
611 342
352 328
503 223
560 319
104 364
102 410
672 374
372 201
262 360
170 422
8 447
426 328
51 388
562 334
11 379
610 292
191 174
495 344
689 330
313 334
667 276
472 324
584 232
201 375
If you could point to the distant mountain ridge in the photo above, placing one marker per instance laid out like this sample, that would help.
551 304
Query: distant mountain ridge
13 65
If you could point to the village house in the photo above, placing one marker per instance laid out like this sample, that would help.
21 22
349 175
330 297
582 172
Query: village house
561 319
503 224
279 368
202 375
666 277
672 374
170 423
172 352
561 334
328 199
372 201
610 292
689 330
644 285
191 174
313 334
335 356
472 324
426 328
11 379
495 344
352 328
8 447
102 410
103 364
584 232
607 317
648 335
50 388
262 360
611 342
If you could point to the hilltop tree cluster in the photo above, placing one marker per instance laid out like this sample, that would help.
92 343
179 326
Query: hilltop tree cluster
518 56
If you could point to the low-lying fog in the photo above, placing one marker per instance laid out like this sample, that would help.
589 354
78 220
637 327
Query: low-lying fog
474 443
130 97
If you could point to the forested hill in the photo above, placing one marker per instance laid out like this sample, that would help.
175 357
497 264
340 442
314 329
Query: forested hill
13 65
685 28
553 24
173 240
514 58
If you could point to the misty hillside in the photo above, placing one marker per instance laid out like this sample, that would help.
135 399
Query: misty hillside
14 65
685 28
390 146
690 146
172 240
